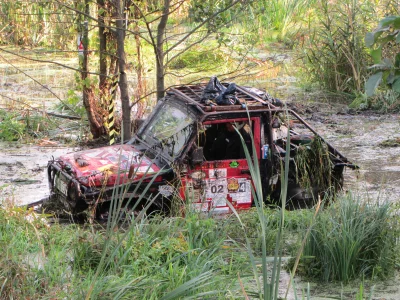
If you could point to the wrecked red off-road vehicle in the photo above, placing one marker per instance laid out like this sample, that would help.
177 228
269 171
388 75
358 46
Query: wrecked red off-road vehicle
188 148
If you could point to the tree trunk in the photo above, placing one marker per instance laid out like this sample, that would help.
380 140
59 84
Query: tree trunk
96 122
102 45
160 50
123 81
141 84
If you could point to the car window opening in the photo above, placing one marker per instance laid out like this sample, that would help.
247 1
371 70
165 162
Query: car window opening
222 141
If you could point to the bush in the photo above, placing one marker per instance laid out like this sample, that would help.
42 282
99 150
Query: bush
11 129
351 239
334 51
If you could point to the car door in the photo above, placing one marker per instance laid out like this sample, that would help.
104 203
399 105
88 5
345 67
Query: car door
219 179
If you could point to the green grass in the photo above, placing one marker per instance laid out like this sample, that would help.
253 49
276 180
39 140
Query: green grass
27 125
188 256
11 128
352 239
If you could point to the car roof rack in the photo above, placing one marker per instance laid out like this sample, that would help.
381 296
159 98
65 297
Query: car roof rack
247 98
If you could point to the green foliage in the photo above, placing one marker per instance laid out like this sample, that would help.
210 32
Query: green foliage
383 101
351 239
25 125
11 126
207 11
333 50
385 69
281 20
30 23
86 252
200 58
73 102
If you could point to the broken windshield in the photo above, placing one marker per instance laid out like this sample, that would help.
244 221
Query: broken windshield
169 129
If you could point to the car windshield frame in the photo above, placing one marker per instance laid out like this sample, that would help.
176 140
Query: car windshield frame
169 129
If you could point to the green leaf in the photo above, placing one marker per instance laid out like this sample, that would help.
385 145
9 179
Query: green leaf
398 38
396 23
396 85
388 21
372 83
376 55
397 60
369 39
390 78
386 75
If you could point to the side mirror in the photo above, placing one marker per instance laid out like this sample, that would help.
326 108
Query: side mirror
197 156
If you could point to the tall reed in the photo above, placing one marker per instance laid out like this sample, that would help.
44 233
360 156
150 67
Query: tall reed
352 239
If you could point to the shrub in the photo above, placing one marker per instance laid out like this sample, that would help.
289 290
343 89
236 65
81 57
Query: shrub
351 238
333 50
11 129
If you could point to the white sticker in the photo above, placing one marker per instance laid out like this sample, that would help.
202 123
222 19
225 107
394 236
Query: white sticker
216 188
217 173
166 190
194 194
219 201
144 169
220 210
242 194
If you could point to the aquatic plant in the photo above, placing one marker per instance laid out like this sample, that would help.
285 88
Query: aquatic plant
351 239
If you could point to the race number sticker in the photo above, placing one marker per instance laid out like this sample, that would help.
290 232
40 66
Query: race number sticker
240 190
217 191
217 173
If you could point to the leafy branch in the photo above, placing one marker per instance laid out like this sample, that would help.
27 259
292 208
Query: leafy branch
384 69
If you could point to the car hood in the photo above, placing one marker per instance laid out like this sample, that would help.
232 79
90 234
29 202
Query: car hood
101 166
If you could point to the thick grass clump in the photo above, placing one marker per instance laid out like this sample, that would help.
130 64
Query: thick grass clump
170 258
145 258
351 239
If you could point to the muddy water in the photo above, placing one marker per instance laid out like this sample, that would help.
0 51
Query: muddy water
358 137
23 176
